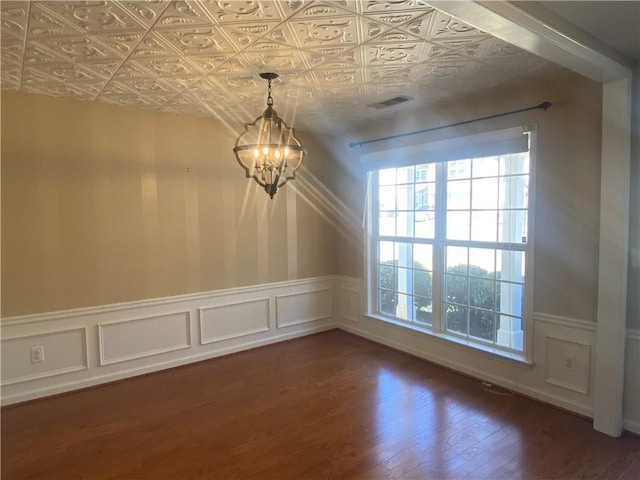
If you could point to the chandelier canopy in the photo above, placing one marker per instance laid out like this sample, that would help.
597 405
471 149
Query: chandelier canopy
267 149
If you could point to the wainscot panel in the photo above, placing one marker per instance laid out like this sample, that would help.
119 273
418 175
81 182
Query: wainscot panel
632 382
43 355
90 346
232 320
142 337
303 307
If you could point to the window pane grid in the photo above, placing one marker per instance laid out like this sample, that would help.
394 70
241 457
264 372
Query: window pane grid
483 212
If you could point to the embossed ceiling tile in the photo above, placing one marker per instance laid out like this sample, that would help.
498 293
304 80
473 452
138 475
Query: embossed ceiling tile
180 84
123 43
103 68
370 29
279 60
244 34
98 16
60 89
421 25
149 85
160 98
249 82
296 80
115 88
238 38
472 47
446 27
36 55
432 71
493 48
319 32
11 52
43 23
450 57
76 49
386 6
209 63
147 12
10 77
184 13
168 66
273 34
378 92
388 53
129 70
405 19
13 18
89 89
292 97
290 7
234 11
68 72
341 93
151 46
127 100
320 9
346 76
7 36
208 91
236 66
283 33
197 40
393 74
32 76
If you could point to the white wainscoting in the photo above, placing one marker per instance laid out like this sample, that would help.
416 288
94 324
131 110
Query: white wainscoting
233 320
90 346
632 382
65 351
562 372
304 307
125 340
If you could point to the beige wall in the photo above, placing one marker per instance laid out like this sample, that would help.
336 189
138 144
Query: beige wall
104 204
567 185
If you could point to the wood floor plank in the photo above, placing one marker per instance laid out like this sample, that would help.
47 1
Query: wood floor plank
330 406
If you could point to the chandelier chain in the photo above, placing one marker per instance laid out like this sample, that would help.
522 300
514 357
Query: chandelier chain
269 97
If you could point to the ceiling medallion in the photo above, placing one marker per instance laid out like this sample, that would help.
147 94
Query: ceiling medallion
267 149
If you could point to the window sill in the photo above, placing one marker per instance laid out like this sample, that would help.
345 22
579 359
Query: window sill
512 358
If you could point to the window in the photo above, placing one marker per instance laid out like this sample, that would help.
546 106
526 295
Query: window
449 247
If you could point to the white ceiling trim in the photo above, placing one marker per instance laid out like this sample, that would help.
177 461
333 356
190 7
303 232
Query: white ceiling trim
541 32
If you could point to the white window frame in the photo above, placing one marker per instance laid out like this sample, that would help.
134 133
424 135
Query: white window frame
437 327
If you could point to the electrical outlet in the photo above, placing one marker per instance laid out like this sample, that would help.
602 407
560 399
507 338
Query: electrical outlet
37 354
569 360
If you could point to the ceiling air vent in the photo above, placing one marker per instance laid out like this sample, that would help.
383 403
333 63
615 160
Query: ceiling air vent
391 102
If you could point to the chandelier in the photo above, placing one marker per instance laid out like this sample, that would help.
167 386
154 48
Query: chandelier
267 149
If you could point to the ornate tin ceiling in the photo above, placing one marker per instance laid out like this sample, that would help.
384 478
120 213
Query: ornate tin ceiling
202 57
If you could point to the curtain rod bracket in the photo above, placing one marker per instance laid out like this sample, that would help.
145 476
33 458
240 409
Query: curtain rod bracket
544 106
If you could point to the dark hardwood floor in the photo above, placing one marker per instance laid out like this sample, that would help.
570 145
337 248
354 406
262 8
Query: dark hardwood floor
330 405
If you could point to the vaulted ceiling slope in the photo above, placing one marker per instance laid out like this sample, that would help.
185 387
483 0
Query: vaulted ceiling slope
203 57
